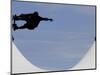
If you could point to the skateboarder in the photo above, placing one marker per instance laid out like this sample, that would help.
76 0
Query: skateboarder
32 20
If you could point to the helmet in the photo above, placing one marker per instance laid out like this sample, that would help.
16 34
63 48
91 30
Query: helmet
35 13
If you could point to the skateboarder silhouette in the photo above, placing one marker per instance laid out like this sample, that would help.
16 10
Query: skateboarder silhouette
32 21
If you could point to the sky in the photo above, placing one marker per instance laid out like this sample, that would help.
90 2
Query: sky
56 45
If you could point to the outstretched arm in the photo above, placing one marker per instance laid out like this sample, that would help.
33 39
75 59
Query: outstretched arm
47 19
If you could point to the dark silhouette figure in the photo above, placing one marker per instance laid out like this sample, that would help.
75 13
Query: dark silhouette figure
32 20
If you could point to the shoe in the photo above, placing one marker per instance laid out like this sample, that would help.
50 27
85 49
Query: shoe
15 27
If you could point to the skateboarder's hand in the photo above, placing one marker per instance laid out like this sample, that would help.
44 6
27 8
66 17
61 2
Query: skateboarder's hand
51 19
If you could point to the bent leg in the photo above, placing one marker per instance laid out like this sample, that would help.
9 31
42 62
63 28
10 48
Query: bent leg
22 27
